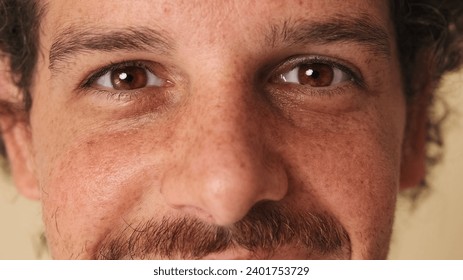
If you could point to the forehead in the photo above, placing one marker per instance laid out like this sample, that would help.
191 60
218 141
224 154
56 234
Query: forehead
214 19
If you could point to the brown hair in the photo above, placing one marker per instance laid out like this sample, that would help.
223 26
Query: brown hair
430 42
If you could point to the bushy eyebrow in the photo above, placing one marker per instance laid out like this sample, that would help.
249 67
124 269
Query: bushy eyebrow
360 29
74 40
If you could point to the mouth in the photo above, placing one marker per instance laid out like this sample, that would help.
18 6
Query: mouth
282 253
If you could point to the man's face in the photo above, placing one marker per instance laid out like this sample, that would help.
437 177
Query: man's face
217 129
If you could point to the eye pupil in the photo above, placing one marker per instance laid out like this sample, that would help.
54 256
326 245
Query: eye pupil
123 76
316 75
129 78
310 72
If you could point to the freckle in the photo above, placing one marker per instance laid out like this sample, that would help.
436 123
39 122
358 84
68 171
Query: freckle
166 10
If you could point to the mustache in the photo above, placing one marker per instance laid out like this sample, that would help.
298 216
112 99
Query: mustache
267 227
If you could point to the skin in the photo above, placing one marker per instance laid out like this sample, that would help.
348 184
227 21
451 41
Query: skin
222 135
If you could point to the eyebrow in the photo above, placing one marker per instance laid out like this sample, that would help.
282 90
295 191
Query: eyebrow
360 29
74 40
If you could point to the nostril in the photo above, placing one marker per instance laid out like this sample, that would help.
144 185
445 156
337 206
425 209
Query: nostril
220 174
195 212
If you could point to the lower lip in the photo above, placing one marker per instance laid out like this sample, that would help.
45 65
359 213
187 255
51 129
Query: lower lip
287 253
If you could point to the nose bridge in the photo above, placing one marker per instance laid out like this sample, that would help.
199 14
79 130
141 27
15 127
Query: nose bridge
223 126
225 167
225 138
227 118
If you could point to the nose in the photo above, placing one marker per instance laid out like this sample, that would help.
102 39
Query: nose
224 163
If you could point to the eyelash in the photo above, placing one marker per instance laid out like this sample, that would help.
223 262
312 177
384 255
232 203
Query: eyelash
300 60
112 67
115 95
287 65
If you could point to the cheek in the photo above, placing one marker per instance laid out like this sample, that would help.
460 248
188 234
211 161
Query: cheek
352 171
90 183
358 176
351 164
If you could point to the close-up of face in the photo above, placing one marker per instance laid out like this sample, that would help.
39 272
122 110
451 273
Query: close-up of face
216 129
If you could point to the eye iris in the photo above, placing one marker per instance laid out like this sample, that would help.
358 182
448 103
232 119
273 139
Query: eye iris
130 77
316 75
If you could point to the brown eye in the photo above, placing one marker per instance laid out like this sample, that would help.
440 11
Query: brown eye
314 75
128 78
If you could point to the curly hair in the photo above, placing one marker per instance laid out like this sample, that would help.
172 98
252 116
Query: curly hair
429 36
430 43
19 40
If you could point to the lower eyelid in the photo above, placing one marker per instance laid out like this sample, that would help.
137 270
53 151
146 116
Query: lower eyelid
118 96
303 94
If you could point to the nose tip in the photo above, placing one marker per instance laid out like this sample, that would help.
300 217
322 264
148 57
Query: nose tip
229 197
223 192
222 174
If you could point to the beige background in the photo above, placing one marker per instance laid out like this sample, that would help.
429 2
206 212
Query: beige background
432 231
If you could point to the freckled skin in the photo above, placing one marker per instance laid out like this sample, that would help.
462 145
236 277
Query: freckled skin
223 143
